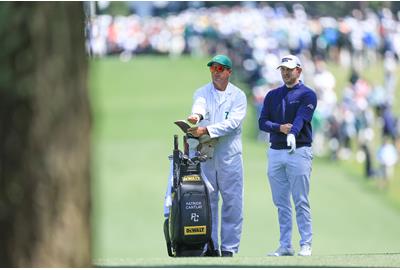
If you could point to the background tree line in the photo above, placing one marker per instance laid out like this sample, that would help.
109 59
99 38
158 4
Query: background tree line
313 8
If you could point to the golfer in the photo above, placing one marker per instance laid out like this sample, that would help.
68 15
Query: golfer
219 109
286 115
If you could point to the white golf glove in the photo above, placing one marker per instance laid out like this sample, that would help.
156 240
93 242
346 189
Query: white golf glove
291 141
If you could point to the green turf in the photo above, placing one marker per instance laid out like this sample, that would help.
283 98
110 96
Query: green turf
134 106
358 260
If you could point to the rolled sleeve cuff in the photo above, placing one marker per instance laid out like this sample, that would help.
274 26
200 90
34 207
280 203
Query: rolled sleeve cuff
212 132
276 127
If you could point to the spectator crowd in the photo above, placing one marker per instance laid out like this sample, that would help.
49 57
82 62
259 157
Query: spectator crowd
256 35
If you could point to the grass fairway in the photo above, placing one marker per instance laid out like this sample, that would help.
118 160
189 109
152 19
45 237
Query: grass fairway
134 106
368 260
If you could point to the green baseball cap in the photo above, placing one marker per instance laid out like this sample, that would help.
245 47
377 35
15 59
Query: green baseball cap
222 60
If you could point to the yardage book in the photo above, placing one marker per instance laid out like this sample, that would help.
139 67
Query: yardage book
183 125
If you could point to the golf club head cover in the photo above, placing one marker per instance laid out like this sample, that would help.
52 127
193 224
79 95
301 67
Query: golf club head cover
193 143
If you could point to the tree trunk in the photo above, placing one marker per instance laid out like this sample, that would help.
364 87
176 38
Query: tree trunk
44 136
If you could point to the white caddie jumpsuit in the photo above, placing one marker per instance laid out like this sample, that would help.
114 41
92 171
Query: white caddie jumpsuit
223 115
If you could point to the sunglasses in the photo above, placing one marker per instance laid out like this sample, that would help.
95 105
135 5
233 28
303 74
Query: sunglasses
217 68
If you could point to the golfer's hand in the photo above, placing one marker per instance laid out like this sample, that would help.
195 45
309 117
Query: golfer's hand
193 119
198 131
291 141
285 128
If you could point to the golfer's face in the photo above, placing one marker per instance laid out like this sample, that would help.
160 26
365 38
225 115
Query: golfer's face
219 73
290 76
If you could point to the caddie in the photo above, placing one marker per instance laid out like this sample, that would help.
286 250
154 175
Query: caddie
219 109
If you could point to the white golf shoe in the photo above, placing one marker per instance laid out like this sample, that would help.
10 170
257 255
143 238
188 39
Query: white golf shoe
282 251
305 250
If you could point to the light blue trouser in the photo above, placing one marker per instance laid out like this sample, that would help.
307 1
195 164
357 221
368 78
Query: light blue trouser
289 174
227 180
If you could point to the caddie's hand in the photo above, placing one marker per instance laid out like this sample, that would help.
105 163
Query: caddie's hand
291 141
193 119
285 128
198 131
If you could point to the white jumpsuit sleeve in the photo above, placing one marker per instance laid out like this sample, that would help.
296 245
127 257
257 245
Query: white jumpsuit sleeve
199 104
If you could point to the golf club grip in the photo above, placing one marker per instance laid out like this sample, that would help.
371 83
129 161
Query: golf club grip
185 146
176 146
176 162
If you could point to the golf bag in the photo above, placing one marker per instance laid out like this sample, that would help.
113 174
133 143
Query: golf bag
187 229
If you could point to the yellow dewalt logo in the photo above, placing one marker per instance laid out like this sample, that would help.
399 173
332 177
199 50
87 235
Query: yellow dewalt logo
195 230
191 178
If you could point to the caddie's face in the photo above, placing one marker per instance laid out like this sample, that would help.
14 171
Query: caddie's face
219 73
290 76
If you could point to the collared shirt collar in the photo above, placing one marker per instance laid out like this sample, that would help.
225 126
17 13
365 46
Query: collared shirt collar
296 86
228 92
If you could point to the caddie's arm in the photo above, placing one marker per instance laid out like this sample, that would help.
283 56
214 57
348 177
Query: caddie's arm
198 131
198 112
198 108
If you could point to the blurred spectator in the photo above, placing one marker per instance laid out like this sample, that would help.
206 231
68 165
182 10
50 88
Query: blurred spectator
390 71
389 129
324 85
387 157
368 169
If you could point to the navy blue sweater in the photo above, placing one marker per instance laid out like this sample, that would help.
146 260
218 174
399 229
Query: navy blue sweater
288 105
